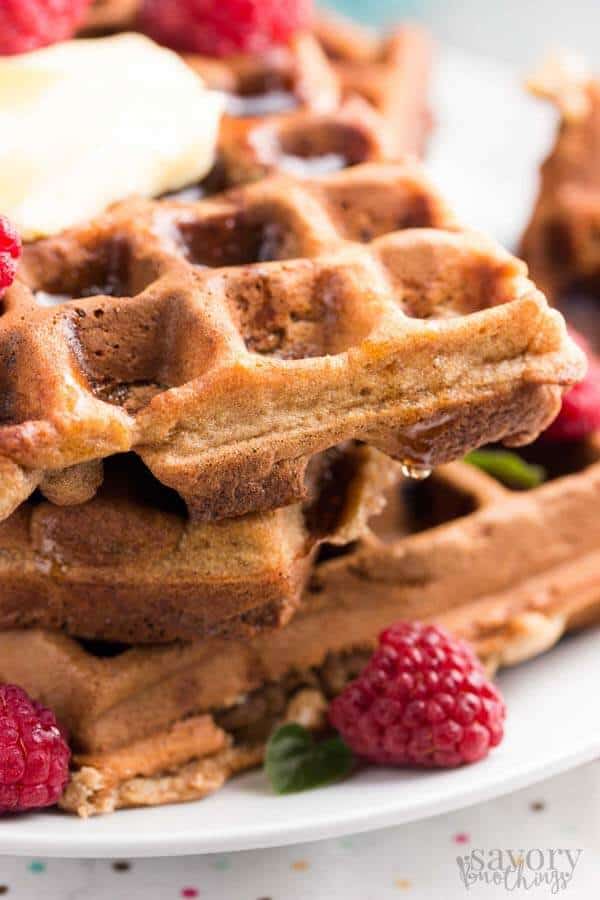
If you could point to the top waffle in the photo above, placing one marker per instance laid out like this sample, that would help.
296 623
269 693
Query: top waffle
230 340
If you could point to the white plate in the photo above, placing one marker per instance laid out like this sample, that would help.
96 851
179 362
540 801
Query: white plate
488 144
552 726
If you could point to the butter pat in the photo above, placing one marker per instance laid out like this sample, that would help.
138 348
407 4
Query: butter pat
89 122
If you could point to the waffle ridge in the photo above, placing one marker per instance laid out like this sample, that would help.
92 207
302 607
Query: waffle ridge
228 341
108 15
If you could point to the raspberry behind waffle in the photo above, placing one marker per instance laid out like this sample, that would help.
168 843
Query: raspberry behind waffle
433 555
229 341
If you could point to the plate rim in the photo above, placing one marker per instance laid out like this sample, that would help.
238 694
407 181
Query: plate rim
151 840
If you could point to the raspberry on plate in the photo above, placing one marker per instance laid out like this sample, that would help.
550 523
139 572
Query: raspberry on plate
224 27
422 700
34 755
580 412
10 251
28 24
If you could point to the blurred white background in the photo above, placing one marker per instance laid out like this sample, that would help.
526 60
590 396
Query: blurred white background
516 30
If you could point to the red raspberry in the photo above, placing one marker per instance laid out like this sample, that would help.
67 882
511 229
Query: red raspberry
224 27
422 700
28 24
34 755
10 251
580 411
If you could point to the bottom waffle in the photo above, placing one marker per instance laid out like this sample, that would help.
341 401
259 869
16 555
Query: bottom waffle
509 571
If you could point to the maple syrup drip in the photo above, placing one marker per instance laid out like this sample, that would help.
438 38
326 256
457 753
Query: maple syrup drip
415 471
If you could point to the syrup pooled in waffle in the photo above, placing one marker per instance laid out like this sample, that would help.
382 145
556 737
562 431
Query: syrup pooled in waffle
155 725
230 340
129 565
562 241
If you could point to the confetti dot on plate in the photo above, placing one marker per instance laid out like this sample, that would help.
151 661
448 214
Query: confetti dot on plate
537 806
347 843
189 892
300 865
461 838
121 865
403 883
3 889
36 866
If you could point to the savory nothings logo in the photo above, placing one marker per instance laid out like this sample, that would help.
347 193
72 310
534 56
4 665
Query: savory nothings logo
551 868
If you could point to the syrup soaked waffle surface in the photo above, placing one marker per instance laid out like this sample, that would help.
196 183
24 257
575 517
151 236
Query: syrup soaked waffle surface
153 725
230 340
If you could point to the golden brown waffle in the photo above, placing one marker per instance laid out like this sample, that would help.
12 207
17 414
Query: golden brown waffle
561 243
335 97
129 565
434 554
229 341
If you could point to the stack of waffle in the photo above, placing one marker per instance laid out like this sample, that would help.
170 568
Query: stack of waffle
207 403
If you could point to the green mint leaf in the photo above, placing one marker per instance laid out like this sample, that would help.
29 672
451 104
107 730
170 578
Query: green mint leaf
507 467
294 761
